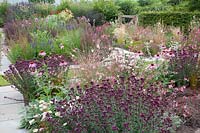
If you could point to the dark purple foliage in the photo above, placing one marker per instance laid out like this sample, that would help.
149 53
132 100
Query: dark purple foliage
184 64
22 73
124 105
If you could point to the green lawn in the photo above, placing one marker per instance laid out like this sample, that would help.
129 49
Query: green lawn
3 82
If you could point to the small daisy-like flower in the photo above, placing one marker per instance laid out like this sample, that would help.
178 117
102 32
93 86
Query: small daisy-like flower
152 66
32 64
42 53
157 56
63 63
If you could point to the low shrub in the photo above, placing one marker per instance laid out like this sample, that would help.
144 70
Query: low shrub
26 11
185 66
23 73
123 105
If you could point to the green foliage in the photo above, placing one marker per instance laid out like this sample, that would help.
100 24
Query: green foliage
33 78
108 8
194 5
26 11
80 8
174 2
70 40
63 5
86 9
145 2
127 7
39 1
3 9
177 19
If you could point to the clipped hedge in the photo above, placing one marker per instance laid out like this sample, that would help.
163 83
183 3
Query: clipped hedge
177 19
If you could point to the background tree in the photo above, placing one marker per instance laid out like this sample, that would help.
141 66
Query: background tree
194 5
145 2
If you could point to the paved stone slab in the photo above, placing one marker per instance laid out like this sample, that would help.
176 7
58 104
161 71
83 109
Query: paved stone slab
4 63
12 95
6 89
11 127
11 111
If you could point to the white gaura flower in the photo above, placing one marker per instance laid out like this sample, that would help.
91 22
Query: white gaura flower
64 124
50 112
36 116
41 101
77 97
35 130
57 114
44 116
31 121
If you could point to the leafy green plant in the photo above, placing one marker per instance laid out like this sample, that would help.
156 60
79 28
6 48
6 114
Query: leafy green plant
177 19
127 7
111 106
23 75
36 113
24 11
108 8
80 9
185 66
194 5
3 9
63 5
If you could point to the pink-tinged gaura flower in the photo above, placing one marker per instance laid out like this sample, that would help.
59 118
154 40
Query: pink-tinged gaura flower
42 53
32 64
